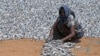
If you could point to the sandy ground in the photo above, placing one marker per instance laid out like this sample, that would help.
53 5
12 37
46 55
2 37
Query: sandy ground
88 47
28 47
23 47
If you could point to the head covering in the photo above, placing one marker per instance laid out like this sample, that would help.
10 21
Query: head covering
67 11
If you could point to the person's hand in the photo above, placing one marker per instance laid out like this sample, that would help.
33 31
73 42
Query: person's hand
63 40
49 39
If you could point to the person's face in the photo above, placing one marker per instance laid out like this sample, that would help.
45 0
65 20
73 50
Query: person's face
62 12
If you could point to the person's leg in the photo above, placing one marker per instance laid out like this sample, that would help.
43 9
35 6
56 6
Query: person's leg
66 32
56 34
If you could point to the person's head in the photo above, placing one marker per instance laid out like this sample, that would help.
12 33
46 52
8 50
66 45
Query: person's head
62 12
65 11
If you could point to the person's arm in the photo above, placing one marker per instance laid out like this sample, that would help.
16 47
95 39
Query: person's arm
55 24
72 34
50 37
72 29
53 27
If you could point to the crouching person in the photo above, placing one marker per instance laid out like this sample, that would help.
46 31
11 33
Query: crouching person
64 27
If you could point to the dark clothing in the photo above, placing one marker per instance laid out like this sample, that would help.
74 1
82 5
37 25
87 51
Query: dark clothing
59 34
